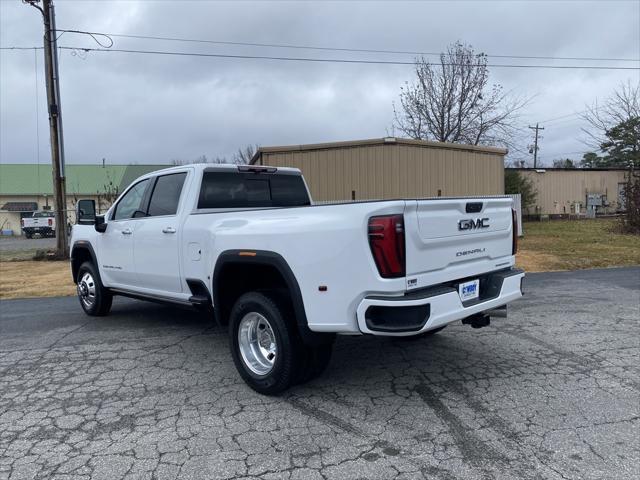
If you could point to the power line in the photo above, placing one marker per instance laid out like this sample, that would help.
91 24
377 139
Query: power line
21 48
334 60
574 114
321 60
338 49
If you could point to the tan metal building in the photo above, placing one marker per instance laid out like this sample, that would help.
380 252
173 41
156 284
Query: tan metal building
390 167
563 191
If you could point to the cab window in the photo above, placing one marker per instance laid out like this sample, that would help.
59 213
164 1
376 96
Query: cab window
131 202
166 194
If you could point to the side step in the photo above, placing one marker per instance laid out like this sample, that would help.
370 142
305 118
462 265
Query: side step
199 300
200 297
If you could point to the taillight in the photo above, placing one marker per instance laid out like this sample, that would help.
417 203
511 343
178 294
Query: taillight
50 222
386 239
514 216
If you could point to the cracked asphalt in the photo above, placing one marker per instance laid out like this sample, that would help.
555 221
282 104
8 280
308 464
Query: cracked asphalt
150 392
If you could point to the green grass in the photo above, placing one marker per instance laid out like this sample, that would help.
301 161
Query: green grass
576 244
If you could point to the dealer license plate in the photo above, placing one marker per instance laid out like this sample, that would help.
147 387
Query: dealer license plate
469 290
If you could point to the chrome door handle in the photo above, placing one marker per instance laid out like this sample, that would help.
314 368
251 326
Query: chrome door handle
169 230
127 231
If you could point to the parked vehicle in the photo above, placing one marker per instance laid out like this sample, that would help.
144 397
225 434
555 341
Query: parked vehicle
42 223
286 276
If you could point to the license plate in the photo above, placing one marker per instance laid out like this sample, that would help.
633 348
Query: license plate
469 290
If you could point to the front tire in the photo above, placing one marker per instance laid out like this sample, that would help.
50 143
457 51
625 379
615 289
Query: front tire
94 298
265 346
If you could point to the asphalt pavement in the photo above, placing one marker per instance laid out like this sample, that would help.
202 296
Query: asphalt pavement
150 392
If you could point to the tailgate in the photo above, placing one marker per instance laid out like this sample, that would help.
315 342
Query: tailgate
465 236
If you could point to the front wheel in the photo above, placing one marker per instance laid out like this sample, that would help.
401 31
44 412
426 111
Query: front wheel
265 346
94 298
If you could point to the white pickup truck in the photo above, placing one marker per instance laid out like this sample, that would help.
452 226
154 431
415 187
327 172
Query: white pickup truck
41 223
286 276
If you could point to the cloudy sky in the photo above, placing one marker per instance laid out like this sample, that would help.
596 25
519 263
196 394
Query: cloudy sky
142 108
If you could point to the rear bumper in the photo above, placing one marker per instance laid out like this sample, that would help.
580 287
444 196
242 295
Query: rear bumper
435 307
43 229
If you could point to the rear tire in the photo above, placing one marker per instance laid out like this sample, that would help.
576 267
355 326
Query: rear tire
94 298
266 348
316 361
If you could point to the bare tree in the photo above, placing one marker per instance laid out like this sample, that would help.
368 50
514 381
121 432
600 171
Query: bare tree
452 101
244 155
623 105
107 194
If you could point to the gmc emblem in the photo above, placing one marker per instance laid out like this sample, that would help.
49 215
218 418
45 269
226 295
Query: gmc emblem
470 224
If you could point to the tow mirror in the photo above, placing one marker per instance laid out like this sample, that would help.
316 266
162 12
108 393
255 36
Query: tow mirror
86 212
100 224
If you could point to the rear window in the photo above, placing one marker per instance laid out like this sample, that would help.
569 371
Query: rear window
252 190
43 214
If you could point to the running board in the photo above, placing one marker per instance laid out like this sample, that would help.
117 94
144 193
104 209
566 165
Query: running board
150 297
200 300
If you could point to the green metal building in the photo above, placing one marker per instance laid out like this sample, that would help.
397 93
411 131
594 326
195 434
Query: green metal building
25 188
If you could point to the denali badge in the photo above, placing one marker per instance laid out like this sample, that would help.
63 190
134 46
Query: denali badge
462 253
470 224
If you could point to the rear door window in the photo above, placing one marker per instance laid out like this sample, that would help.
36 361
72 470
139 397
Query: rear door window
166 194
252 190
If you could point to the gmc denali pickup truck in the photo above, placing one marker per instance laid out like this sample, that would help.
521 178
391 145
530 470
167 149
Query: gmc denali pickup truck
286 276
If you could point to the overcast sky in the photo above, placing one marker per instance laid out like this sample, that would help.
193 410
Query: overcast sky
133 108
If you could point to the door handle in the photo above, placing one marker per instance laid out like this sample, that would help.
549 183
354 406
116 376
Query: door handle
168 230
127 231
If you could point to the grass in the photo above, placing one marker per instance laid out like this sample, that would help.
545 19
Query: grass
17 255
547 246
24 279
575 245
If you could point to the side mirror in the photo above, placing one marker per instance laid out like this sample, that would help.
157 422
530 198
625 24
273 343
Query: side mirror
86 212
100 225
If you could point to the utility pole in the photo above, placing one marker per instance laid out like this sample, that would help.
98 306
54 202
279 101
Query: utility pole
55 123
535 144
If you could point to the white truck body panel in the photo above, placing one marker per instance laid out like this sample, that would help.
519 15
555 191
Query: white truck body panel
324 246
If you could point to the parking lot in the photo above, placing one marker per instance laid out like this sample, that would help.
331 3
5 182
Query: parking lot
151 392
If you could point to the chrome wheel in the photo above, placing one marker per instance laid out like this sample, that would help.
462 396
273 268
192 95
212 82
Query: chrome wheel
87 290
257 343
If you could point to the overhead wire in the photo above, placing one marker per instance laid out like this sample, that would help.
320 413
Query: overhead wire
335 60
346 49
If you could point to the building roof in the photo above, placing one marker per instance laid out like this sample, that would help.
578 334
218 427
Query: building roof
20 206
84 179
378 141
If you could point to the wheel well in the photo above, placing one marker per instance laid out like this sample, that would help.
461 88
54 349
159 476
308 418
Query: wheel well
235 279
79 255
